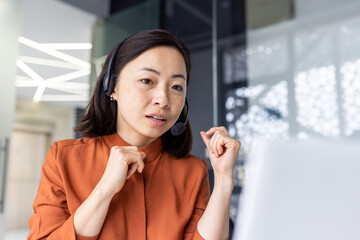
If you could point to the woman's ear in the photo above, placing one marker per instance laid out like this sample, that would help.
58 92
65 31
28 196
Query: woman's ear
113 95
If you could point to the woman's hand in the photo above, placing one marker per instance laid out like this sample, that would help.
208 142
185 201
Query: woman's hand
223 150
122 163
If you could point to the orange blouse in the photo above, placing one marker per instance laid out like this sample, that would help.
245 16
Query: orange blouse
165 201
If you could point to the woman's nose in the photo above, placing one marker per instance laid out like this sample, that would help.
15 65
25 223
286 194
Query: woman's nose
161 98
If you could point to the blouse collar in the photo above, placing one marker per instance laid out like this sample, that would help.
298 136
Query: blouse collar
152 150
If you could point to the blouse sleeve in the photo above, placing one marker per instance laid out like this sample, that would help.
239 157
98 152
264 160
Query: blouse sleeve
203 196
51 218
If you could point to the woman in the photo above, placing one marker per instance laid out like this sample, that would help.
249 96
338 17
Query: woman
132 177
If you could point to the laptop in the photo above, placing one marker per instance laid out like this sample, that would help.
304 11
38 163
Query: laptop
301 191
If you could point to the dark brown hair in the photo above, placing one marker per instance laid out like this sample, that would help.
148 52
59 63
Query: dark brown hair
101 113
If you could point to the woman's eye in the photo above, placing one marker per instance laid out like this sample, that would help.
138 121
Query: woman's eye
146 81
178 88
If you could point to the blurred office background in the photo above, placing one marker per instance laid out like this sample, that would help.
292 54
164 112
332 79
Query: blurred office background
265 69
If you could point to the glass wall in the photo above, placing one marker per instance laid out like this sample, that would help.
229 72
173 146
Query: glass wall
299 71
302 77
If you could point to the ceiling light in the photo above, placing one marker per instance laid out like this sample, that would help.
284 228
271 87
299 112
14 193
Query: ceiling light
63 98
78 91
38 94
67 77
26 69
54 52
68 46
48 62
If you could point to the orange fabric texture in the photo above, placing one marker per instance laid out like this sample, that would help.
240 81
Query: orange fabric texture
165 201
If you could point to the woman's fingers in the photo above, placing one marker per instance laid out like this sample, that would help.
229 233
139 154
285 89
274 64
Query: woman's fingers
129 155
131 170
216 143
212 130
212 145
209 142
138 165
219 145
224 150
135 161
122 164
206 139
219 140
141 163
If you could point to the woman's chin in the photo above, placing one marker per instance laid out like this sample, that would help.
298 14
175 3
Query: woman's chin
157 132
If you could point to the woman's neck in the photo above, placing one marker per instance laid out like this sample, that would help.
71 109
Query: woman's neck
136 140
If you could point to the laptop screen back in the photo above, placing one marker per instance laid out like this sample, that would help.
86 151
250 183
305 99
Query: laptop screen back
301 190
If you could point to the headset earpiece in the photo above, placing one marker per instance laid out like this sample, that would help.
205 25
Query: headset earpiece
109 78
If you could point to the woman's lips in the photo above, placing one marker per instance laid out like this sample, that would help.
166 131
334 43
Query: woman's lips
156 120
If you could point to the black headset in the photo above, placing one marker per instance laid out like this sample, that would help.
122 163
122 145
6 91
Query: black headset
109 80
179 127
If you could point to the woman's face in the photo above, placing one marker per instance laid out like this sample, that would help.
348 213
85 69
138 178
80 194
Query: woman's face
150 94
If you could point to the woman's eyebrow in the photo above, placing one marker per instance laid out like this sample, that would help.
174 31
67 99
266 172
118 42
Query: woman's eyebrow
158 73
150 70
